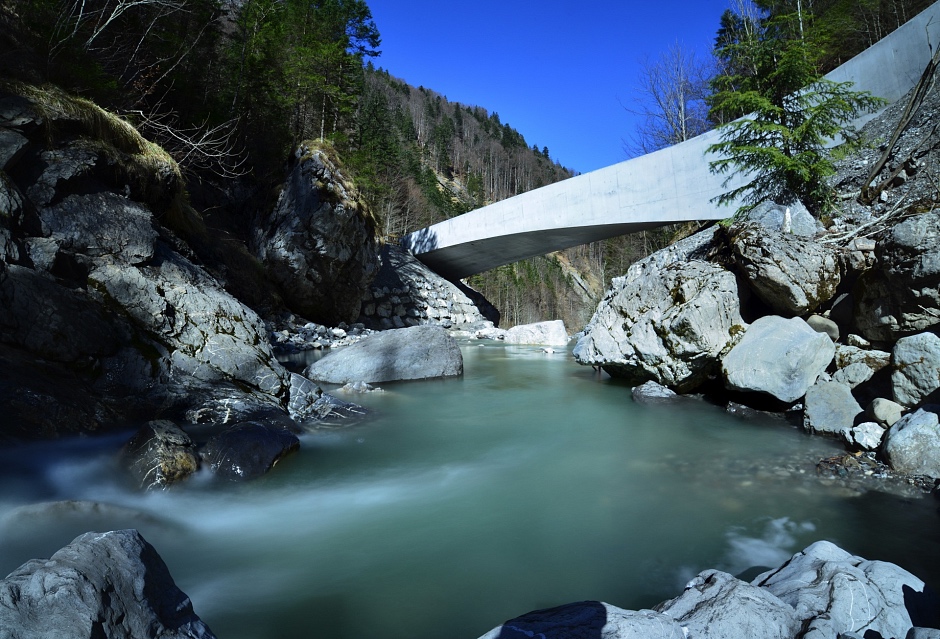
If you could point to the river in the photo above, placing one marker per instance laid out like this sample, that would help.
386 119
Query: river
457 504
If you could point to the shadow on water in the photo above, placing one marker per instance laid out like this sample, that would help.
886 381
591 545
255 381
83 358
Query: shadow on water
581 620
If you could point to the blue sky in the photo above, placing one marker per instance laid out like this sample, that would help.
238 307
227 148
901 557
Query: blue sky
558 72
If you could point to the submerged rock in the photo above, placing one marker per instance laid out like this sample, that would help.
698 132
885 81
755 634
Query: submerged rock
420 352
248 450
111 584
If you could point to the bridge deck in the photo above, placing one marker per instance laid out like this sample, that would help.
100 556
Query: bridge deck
668 186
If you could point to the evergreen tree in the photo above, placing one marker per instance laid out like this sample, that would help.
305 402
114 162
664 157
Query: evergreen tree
791 113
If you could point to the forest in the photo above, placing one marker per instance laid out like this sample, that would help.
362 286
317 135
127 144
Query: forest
229 87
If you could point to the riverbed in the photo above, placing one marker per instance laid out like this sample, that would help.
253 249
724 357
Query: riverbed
459 503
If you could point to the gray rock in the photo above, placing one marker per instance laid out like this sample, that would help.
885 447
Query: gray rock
248 450
853 374
111 584
900 297
866 436
923 633
309 403
825 325
884 412
857 341
916 363
774 217
319 242
834 592
419 352
670 324
912 445
830 408
589 620
846 355
653 393
779 357
102 224
718 606
160 454
552 333
12 145
790 273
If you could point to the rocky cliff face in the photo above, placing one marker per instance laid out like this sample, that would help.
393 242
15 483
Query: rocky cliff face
318 243
106 314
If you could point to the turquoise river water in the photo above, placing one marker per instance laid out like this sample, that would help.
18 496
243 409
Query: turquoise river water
457 504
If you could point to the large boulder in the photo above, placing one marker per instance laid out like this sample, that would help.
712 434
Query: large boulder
551 333
790 273
667 323
248 450
834 592
420 352
319 242
111 584
916 369
590 620
793 219
900 297
778 357
830 408
718 606
912 444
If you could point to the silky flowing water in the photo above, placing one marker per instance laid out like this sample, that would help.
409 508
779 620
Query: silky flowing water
527 483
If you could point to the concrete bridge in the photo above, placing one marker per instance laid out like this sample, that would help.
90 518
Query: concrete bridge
668 186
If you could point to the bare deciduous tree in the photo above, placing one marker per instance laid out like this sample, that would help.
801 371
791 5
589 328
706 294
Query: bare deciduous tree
670 100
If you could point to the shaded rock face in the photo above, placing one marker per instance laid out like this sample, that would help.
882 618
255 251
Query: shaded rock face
420 352
318 244
160 454
247 451
901 296
779 357
110 584
591 620
792 274
670 324
90 279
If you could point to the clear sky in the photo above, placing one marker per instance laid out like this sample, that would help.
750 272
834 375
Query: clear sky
559 72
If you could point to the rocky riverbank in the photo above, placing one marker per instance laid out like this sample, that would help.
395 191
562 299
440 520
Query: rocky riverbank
836 323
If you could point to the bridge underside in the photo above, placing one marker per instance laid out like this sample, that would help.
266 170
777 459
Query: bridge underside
668 186
463 260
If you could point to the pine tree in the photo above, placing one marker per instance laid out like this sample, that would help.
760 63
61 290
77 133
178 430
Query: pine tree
791 113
